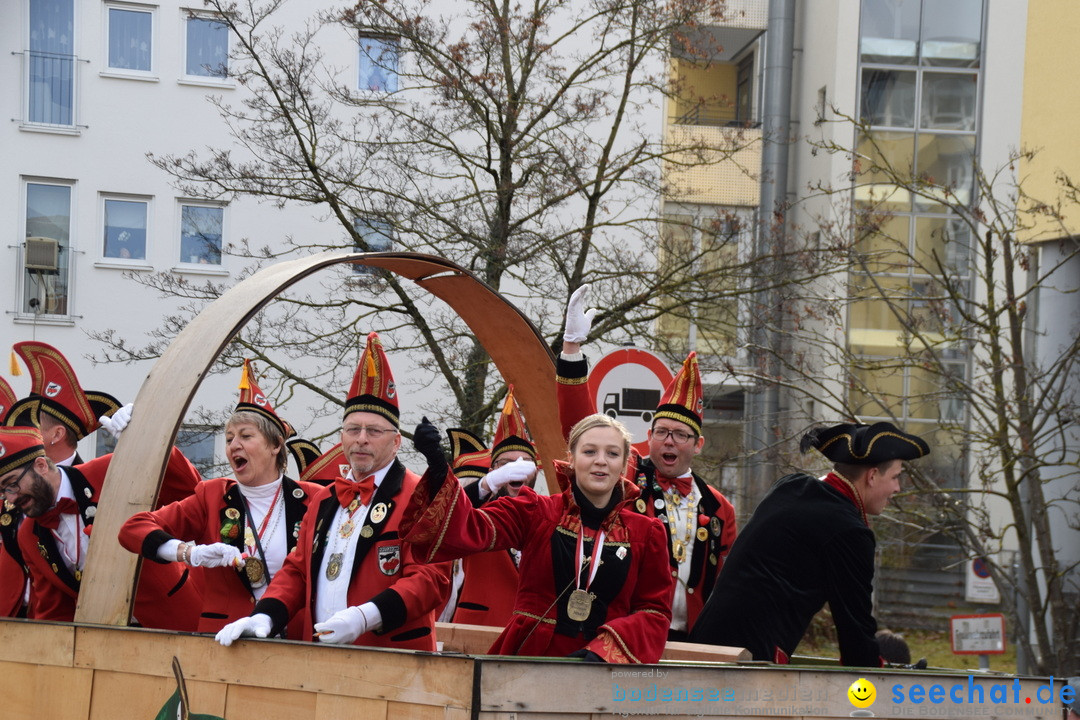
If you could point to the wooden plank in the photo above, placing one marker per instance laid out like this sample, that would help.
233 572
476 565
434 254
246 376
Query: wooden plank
267 703
134 476
127 695
37 642
683 651
395 675
337 707
45 691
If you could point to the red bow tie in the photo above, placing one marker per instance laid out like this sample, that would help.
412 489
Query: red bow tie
51 517
347 490
682 484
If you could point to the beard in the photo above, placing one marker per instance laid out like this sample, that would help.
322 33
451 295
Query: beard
40 494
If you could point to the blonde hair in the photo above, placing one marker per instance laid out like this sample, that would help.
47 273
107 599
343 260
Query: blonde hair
600 420
269 430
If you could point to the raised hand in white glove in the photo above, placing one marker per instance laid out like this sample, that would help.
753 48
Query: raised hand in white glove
519 470
257 625
119 420
215 555
346 625
578 319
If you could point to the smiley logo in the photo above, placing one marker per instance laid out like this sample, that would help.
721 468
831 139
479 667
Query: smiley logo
862 693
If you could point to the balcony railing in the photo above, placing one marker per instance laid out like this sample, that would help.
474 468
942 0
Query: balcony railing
715 115
50 88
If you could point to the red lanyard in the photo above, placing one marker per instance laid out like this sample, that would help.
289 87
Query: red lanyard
270 512
593 564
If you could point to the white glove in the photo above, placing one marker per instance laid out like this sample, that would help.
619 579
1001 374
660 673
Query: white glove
519 470
215 555
119 420
258 625
578 319
346 625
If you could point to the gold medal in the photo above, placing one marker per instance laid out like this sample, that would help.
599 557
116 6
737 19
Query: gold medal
366 531
579 606
333 568
678 551
378 513
702 534
640 505
346 528
232 513
256 571
78 576
5 519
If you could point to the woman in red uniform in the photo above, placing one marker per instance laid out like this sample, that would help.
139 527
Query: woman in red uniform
238 530
594 574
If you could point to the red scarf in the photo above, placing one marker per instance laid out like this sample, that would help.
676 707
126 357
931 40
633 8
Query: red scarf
846 488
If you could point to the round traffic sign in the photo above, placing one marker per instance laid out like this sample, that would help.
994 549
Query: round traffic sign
627 384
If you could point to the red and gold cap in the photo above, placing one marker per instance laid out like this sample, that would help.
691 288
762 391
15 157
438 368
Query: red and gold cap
313 466
252 399
469 457
7 399
54 381
373 388
682 399
511 433
18 446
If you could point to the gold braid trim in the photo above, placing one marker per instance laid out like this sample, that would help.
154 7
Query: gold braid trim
571 381
531 616
625 651
870 445
494 532
445 527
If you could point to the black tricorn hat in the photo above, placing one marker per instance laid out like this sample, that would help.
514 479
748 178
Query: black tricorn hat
857 444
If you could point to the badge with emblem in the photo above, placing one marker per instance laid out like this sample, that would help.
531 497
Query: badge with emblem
232 513
579 606
91 511
621 553
658 503
714 526
88 493
378 513
390 559
78 576
662 518
5 519
640 505
296 529
333 566
230 531
712 558
366 531
702 534
298 493
255 571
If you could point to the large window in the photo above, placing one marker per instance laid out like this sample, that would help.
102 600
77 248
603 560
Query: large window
51 63
197 444
46 249
207 49
124 234
377 235
378 64
201 230
130 31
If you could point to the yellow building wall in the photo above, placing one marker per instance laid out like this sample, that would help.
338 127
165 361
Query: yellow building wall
714 84
1051 107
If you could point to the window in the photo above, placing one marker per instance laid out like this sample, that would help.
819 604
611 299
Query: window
197 444
207 48
201 228
378 235
744 90
130 39
378 64
47 249
51 63
125 229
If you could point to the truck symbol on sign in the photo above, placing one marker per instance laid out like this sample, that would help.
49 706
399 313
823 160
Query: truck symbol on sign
632 401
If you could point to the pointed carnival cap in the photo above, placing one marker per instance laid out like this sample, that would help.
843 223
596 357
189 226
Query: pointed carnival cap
511 433
18 446
373 388
468 456
7 399
252 399
858 444
682 400
54 381
313 466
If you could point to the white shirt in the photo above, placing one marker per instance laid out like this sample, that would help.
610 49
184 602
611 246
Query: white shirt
677 520
333 595
71 541
275 538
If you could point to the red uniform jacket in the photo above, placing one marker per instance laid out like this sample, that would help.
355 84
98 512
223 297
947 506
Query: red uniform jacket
227 593
631 611
715 527
491 580
407 593
12 578
163 599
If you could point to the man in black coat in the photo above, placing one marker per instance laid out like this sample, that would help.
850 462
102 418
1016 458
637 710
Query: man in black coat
809 543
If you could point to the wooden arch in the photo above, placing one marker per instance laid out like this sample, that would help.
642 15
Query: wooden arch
134 477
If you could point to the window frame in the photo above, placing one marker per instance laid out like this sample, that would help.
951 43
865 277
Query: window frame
23 312
187 15
362 55
104 260
188 266
28 95
129 73
372 222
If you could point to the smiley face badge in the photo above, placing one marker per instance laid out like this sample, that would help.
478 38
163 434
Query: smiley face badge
862 693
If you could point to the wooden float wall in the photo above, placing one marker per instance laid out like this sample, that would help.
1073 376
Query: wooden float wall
60 670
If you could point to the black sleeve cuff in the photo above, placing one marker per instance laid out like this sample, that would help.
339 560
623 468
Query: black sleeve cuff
392 609
472 491
152 542
568 371
279 614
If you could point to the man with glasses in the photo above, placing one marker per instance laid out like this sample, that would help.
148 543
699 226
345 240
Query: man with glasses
809 543
700 521
351 576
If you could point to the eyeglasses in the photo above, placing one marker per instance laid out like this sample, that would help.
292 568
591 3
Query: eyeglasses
679 437
12 488
354 431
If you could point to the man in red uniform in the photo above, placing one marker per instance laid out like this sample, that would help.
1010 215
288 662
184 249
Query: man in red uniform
351 575
13 577
700 521
63 413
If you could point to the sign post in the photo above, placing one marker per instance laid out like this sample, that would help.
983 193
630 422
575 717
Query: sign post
981 635
627 384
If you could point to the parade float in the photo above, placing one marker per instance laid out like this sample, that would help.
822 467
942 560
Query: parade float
98 668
